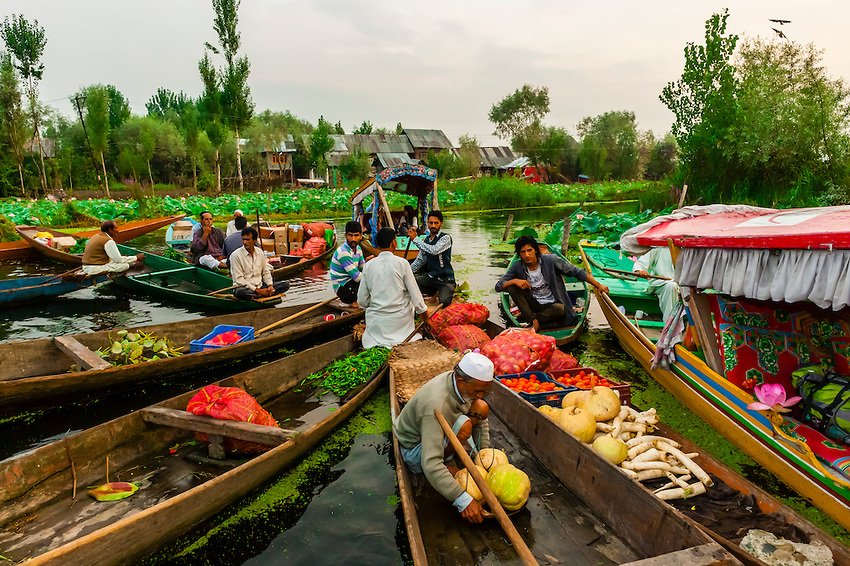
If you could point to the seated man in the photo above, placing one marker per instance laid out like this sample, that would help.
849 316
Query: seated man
421 438
207 241
389 294
658 261
102 256
434 260
233 227
347 264
536 285
234 241
251 271
407 221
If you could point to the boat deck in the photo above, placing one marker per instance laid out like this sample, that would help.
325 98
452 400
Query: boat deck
555 524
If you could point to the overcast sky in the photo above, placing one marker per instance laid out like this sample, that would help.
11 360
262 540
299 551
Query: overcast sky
437 64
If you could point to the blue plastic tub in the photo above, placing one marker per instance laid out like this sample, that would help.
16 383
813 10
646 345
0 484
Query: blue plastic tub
551 398
246 333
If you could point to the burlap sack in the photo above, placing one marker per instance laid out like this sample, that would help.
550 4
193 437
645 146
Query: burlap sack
415 363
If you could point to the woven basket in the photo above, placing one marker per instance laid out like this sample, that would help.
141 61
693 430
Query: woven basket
415 363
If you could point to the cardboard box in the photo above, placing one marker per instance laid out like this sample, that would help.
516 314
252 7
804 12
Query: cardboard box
64 242
296 233
295 246
281 244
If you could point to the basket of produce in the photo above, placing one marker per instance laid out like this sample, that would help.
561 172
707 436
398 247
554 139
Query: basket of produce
221 336
588 378
535 387
415 363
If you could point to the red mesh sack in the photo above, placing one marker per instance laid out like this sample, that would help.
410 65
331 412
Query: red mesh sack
316 229
231 404
561 360
458 313
517 350
462 337
313 247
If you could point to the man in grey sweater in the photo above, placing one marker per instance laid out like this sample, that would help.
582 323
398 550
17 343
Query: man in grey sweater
422 440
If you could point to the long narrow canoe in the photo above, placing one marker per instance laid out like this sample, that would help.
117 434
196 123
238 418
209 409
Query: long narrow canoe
581 509
185 283
27 289
179 233
289 270
40 521
575 289
723 406
126 232
39 372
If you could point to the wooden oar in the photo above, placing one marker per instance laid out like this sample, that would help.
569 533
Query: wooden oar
67 273
519 545
407 249
293 316
222 290
508 227
633 274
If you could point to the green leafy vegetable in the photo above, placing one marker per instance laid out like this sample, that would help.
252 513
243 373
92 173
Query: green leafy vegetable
342 376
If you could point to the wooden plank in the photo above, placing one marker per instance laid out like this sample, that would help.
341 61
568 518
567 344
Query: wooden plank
80 354
701 313
711 554
269 435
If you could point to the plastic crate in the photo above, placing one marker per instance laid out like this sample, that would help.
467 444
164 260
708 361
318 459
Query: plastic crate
551 398
199 345
623 389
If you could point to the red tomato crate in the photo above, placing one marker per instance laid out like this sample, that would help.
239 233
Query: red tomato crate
622 389
551 398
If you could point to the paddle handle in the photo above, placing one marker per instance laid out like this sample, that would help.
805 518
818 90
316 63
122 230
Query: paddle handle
522 549
222 290
420 325
69 272
293 316
633 274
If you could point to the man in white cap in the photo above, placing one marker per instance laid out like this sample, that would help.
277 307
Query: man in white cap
422 440
231 226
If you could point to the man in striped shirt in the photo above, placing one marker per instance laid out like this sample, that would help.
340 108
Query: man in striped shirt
347 264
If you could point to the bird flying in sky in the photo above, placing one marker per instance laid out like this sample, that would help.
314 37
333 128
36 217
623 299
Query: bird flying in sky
779 33
780 22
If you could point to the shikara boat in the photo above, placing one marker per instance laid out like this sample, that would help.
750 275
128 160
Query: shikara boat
179 233
27 289
596 516
185 283
42 521
28 247
698 378
575 289
300 264
40 371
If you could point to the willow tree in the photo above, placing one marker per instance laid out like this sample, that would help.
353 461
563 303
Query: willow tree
25 41
97 125
210 105
13 123
236 104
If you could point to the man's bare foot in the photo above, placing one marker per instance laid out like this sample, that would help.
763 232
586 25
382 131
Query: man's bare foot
536 325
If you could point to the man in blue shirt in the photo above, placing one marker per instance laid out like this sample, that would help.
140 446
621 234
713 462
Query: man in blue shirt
435 256
347 264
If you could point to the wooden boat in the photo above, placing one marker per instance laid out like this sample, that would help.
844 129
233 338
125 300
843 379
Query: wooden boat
20 249
575 289
126 232
39 371
301 264
42 522
568 518
707 392
27 289
185 283
179 233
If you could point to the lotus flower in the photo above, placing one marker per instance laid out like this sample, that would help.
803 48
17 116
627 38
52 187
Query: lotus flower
771 397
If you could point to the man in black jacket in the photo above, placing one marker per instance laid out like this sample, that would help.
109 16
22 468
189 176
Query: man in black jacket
536 285
435 256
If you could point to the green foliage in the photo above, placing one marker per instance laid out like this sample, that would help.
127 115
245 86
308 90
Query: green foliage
509 192
130 348
604 229
26 42
520 110
469 155
364 128
320 144
13 130
609 146
551 147
662 159
166 104
7 230
355 166
78 247
447 164
97 117
343 376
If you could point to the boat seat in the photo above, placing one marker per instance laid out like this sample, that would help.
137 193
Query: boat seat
80 354
217 429
166 271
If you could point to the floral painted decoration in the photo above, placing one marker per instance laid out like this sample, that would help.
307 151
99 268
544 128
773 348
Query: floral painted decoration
771 397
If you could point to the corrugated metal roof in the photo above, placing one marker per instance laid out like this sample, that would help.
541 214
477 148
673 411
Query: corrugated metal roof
428 139
378 143
495 157
392 159
518 162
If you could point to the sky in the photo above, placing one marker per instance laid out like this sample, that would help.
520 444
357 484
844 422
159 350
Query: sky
437 64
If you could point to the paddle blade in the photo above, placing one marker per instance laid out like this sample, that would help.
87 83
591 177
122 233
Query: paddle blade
113 491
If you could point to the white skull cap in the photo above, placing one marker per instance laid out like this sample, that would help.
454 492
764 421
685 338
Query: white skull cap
239 212
477 366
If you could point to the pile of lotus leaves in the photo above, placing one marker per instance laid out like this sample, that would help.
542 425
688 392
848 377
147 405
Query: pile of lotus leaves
129 348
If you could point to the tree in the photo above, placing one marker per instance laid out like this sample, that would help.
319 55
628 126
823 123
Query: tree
661 161
364 128
237 106
13 125
519 111
447 164
97 123
399 129
704 105
210 106
338 129
119 107
320 144
469 154
166 104
355 165
609 145
25 41
551 147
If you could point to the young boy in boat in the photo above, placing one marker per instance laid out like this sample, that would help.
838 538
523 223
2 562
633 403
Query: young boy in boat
479 410
251 271
420 436
101 254
536 285
347 265
434 259
389 295
207 242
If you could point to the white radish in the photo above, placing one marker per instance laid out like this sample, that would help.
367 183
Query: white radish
698 472
650 455
664 466
649 438
645 475
682 492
